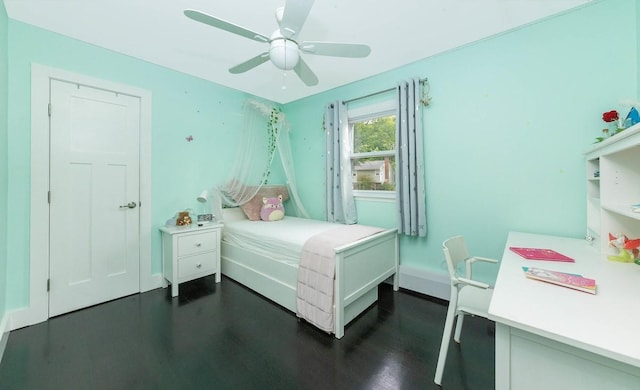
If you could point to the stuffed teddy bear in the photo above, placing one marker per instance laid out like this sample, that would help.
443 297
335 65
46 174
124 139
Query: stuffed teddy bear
183 219
272 209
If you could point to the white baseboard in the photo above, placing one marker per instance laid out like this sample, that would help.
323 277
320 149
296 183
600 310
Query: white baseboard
19 318
4 334
425 281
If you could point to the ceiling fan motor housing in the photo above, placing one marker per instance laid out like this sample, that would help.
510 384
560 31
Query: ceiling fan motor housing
284 53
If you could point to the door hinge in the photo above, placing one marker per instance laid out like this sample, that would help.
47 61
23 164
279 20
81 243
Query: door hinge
48 285
49 110
49 197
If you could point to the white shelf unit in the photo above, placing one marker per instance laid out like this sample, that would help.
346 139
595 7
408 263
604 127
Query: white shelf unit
593 198
615 187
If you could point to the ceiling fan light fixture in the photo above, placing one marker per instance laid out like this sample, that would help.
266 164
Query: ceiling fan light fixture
284 53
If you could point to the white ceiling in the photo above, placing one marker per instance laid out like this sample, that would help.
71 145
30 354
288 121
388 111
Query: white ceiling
399 32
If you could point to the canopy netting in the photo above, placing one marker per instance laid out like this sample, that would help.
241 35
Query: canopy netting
264 133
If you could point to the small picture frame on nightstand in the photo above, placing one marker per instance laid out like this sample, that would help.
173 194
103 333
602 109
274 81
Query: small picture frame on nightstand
205 219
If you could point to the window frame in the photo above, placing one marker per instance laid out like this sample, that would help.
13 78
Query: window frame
363 113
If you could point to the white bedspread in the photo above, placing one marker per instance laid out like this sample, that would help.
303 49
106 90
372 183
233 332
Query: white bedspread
316 273
280 240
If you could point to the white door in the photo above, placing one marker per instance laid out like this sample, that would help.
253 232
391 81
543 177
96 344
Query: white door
94 196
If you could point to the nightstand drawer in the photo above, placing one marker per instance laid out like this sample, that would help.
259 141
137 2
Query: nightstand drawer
192 265
197 243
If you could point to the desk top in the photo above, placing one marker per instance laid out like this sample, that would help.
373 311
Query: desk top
607 323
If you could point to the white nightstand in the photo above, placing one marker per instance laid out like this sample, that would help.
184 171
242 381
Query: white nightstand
189 253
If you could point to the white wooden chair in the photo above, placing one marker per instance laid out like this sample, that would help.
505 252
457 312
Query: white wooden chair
468 296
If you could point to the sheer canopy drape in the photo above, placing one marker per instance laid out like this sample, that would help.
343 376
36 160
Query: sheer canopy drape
340 206
410 186
286 158
264 133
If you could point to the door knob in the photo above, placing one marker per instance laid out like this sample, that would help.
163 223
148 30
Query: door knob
131 205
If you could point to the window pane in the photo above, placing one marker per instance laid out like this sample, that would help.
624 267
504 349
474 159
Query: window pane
374 173
375 135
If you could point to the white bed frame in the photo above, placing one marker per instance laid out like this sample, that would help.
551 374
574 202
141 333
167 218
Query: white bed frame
360 267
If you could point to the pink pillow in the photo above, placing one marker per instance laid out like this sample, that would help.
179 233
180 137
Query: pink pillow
252 208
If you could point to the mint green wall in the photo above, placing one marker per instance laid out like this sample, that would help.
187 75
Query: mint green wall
510 118
377 212
3 157
182 106
504 135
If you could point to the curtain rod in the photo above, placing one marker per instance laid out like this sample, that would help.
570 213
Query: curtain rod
378 93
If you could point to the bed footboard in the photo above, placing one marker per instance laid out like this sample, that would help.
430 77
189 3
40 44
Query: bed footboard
360 267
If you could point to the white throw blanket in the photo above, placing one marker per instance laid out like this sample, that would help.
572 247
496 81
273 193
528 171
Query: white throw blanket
317 270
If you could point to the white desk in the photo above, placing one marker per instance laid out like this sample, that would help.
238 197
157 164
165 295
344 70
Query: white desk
551 337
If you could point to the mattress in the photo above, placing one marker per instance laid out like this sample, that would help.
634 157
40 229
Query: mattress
281 240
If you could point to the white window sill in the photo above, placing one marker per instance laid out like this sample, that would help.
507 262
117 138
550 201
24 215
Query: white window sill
389 196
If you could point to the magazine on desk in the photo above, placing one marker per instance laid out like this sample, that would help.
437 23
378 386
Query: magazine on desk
574 281
541 254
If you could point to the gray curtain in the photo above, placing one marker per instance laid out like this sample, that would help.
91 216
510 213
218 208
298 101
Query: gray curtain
341 207
410 190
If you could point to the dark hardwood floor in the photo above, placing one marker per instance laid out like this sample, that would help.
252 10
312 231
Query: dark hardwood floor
225 336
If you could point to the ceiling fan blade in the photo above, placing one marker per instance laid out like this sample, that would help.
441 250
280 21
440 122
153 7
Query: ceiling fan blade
351 50
294 16
250 64
224 25
305 73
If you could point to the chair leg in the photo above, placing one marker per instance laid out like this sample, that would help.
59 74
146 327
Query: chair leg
444 346
459 321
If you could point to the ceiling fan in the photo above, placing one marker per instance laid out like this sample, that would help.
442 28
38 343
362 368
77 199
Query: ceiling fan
284 48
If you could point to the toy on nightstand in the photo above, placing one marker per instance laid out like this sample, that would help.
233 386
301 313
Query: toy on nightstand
183 219
628 249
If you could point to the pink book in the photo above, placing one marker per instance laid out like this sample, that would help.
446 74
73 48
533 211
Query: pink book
541 254
576 282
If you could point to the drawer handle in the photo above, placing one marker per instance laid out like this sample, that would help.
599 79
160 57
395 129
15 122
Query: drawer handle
199 245
198 265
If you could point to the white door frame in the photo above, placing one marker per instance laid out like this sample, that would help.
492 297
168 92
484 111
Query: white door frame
38 309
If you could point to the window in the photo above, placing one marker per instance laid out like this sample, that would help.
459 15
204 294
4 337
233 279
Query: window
373 144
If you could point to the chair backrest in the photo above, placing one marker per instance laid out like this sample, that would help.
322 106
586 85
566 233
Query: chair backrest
455 252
